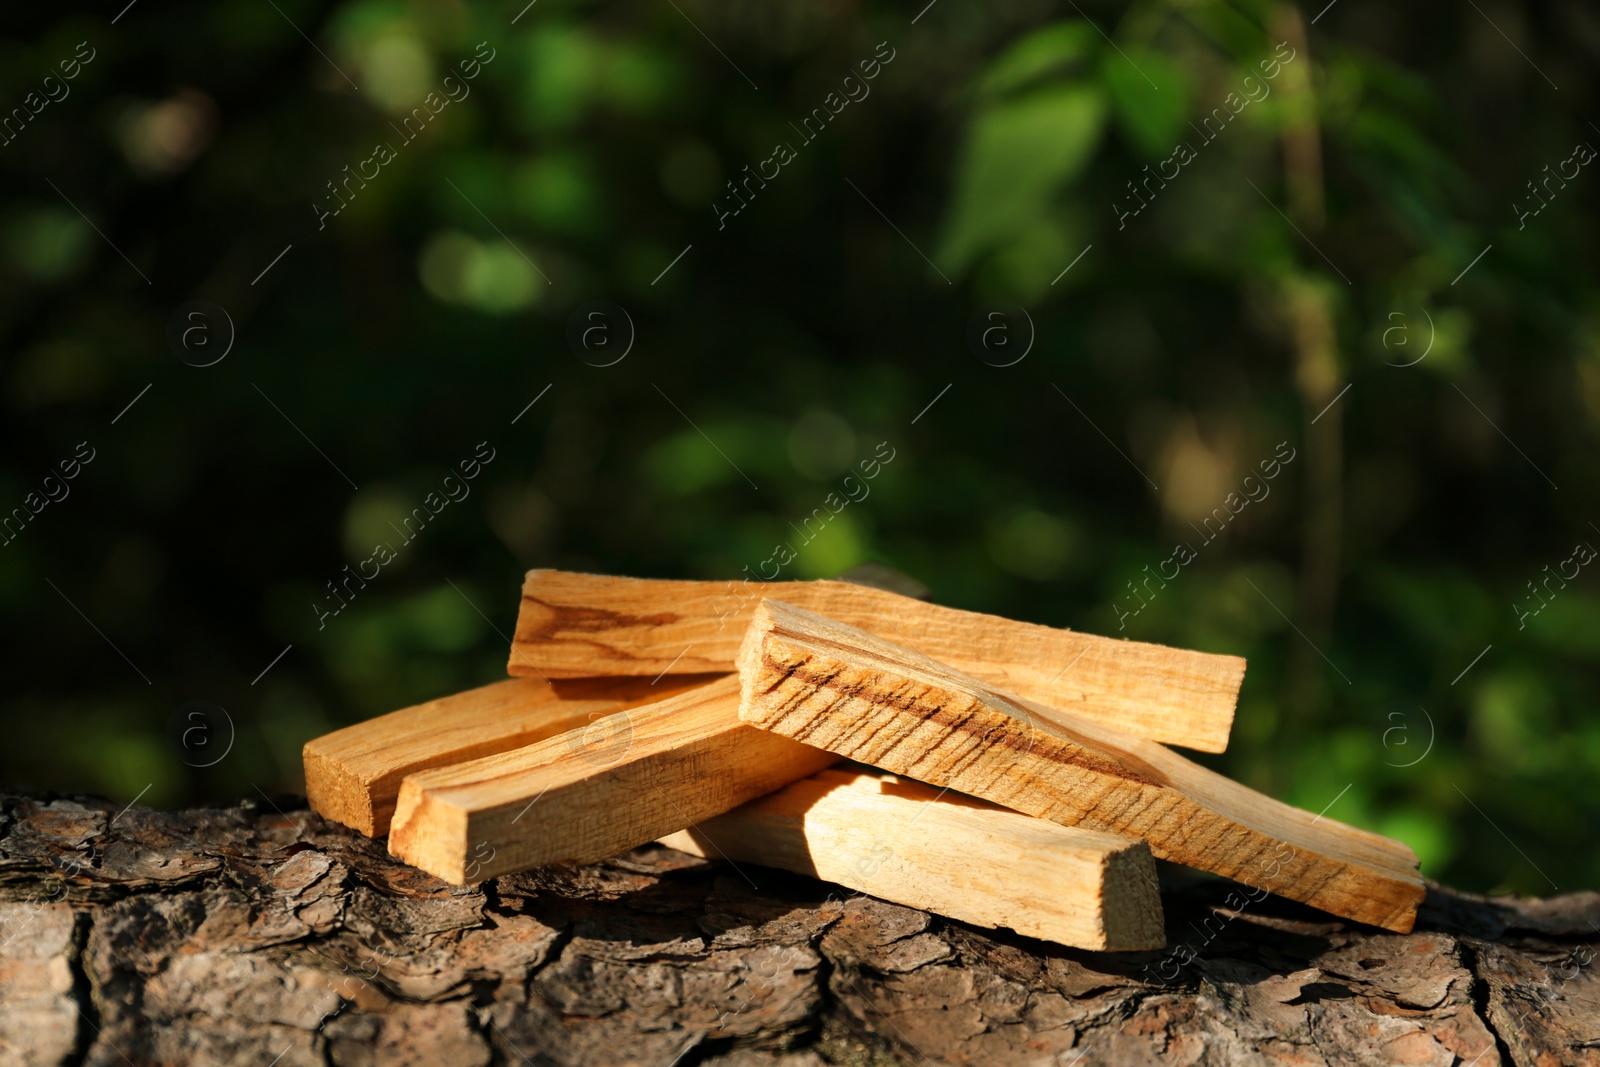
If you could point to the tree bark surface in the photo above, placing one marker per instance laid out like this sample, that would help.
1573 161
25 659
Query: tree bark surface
263 935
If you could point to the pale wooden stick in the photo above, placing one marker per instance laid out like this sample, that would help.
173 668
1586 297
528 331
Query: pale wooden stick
582 796
573 625
840 688
353 775
947 853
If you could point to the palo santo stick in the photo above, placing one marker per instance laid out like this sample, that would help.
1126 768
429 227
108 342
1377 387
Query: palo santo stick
642 773
963 858
842 689
575 625
353 775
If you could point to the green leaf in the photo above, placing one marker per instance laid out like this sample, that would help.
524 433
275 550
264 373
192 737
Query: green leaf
1018 155
1053 51
1149 97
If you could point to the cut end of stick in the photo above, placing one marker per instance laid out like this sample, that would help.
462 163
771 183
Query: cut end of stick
431 835
337 793
751 651
1133 916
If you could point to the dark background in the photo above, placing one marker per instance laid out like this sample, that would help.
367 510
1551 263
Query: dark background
1376 591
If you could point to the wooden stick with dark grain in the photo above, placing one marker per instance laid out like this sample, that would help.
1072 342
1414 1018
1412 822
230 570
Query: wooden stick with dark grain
575 625
836 687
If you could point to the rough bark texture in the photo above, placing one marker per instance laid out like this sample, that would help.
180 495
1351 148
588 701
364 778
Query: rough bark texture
261 934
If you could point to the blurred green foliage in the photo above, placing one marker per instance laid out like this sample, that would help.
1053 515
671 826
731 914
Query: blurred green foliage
1320 240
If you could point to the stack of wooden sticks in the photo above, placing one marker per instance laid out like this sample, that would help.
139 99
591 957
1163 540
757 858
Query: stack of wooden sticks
996 772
